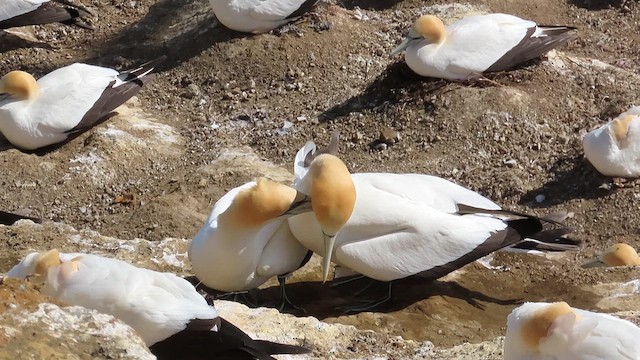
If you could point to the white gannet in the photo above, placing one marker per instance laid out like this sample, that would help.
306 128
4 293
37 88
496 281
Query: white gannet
555 331
14 13
63 103
476 44
614 148
259 16
383 227
619 254
246 239
166 310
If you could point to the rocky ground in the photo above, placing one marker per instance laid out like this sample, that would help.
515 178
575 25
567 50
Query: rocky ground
226 108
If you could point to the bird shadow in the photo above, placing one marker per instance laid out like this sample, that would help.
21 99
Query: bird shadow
323 300
369 4
574 178
597 4
396 84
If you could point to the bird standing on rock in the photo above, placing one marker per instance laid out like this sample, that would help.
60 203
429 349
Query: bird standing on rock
65 102
259 16
477 44
171 317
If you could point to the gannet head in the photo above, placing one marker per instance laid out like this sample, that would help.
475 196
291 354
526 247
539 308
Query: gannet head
617 255
19 85
35 264
537 324
258 204
333 197
427 27
619 128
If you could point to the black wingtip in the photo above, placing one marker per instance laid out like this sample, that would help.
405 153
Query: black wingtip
7 218
273 348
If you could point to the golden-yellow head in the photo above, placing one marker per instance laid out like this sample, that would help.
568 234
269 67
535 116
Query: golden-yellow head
46 260
620 254
536 326
265 201
20 85
620 127
429 27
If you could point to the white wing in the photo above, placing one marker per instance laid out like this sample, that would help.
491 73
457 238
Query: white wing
275 10
13 8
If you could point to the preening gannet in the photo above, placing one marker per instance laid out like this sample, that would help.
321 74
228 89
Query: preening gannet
259 16
63 103
476 44
171 317
246 239
614 148
619 254
555 331
14 13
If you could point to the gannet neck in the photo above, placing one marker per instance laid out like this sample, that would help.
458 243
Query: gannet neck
620 127
252 207
620 255
20 85
537 325
431 28
333 193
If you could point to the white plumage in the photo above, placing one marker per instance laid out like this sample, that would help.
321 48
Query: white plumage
258 16
14 13
614 148
66 101
543 331
476 44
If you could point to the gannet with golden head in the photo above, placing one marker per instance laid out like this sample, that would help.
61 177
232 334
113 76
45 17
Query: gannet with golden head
63 103
555 331
383 228
166 310
619 254
15 13
476 44
246 239
259 16
614 148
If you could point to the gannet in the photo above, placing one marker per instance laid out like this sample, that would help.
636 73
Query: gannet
259 16
619 254
7 218
14 13
614 148
384 228
170 316
246 239
63 103
555 331
476 44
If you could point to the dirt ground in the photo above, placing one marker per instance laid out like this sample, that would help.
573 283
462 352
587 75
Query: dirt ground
222 89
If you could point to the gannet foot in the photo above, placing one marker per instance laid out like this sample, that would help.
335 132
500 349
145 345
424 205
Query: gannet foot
367 305
285 303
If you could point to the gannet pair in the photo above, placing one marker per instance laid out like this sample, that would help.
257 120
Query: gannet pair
619 254
14 13
390 226
7 218
477 44
65 102
259 16
614 148
544 331
167 312
246 239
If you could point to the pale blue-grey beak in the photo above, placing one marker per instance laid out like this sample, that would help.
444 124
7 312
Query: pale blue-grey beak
329 243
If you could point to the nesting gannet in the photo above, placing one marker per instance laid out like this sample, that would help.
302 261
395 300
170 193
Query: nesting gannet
7 218
246 239
63 103
170 316
614 148
476 44
259 16
380 226
619 254
555 331
14 13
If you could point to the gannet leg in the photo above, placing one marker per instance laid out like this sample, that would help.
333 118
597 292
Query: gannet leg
368 305
285 302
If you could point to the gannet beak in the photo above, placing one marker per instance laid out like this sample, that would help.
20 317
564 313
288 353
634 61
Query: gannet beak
301 204
329 243
401 47
595 262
